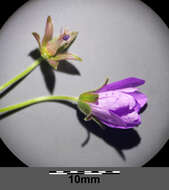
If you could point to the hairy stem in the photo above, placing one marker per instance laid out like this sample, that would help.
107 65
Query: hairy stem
37 100
21 75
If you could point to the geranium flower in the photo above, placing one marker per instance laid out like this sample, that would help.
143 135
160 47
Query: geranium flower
54 49
116 104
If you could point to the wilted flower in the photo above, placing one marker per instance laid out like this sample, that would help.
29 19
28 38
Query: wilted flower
54 49
116 104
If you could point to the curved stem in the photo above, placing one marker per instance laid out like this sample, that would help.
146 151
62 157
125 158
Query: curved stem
21 75
37 100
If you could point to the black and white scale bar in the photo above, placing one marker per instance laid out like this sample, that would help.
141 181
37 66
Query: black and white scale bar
84 172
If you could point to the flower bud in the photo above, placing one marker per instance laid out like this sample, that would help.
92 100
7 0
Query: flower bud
115 105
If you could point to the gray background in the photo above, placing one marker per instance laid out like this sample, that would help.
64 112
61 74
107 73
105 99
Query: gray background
117 39
39 178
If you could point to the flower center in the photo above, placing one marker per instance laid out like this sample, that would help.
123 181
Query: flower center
44 53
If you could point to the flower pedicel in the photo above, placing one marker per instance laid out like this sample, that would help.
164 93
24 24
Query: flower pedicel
115 105
51 49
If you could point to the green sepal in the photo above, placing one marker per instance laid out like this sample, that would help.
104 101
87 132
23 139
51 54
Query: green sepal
88 97
104 84
65 46
98 122
88 117
66 56
84 107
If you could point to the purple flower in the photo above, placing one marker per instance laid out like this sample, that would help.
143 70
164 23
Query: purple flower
116 105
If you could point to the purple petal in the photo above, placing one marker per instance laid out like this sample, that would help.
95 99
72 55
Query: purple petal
132 119
140 98
125 83
106 116
129 121
137 107
122 111
118 102
117 126
127 90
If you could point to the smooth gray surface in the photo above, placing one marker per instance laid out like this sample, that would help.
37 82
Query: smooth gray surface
117 39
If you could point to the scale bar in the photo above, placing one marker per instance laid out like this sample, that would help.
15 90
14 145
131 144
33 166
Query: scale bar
74 172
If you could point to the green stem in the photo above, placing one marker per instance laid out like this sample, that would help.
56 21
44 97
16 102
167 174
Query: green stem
36 100
21 75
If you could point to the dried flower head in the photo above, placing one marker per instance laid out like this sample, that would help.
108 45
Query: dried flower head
54 49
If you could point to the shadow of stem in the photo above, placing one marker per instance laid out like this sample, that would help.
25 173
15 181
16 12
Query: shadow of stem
116 138
48 72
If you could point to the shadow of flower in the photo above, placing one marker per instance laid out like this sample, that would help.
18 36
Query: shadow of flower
48 75
68 68
48 71
117 138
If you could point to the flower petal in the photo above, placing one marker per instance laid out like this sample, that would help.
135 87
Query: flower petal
106 116
37 37
52 46
132 119
140 98
48 31
137 107
116 126
116 101
125 83
127 90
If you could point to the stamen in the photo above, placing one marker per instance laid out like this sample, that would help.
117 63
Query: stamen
66 37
